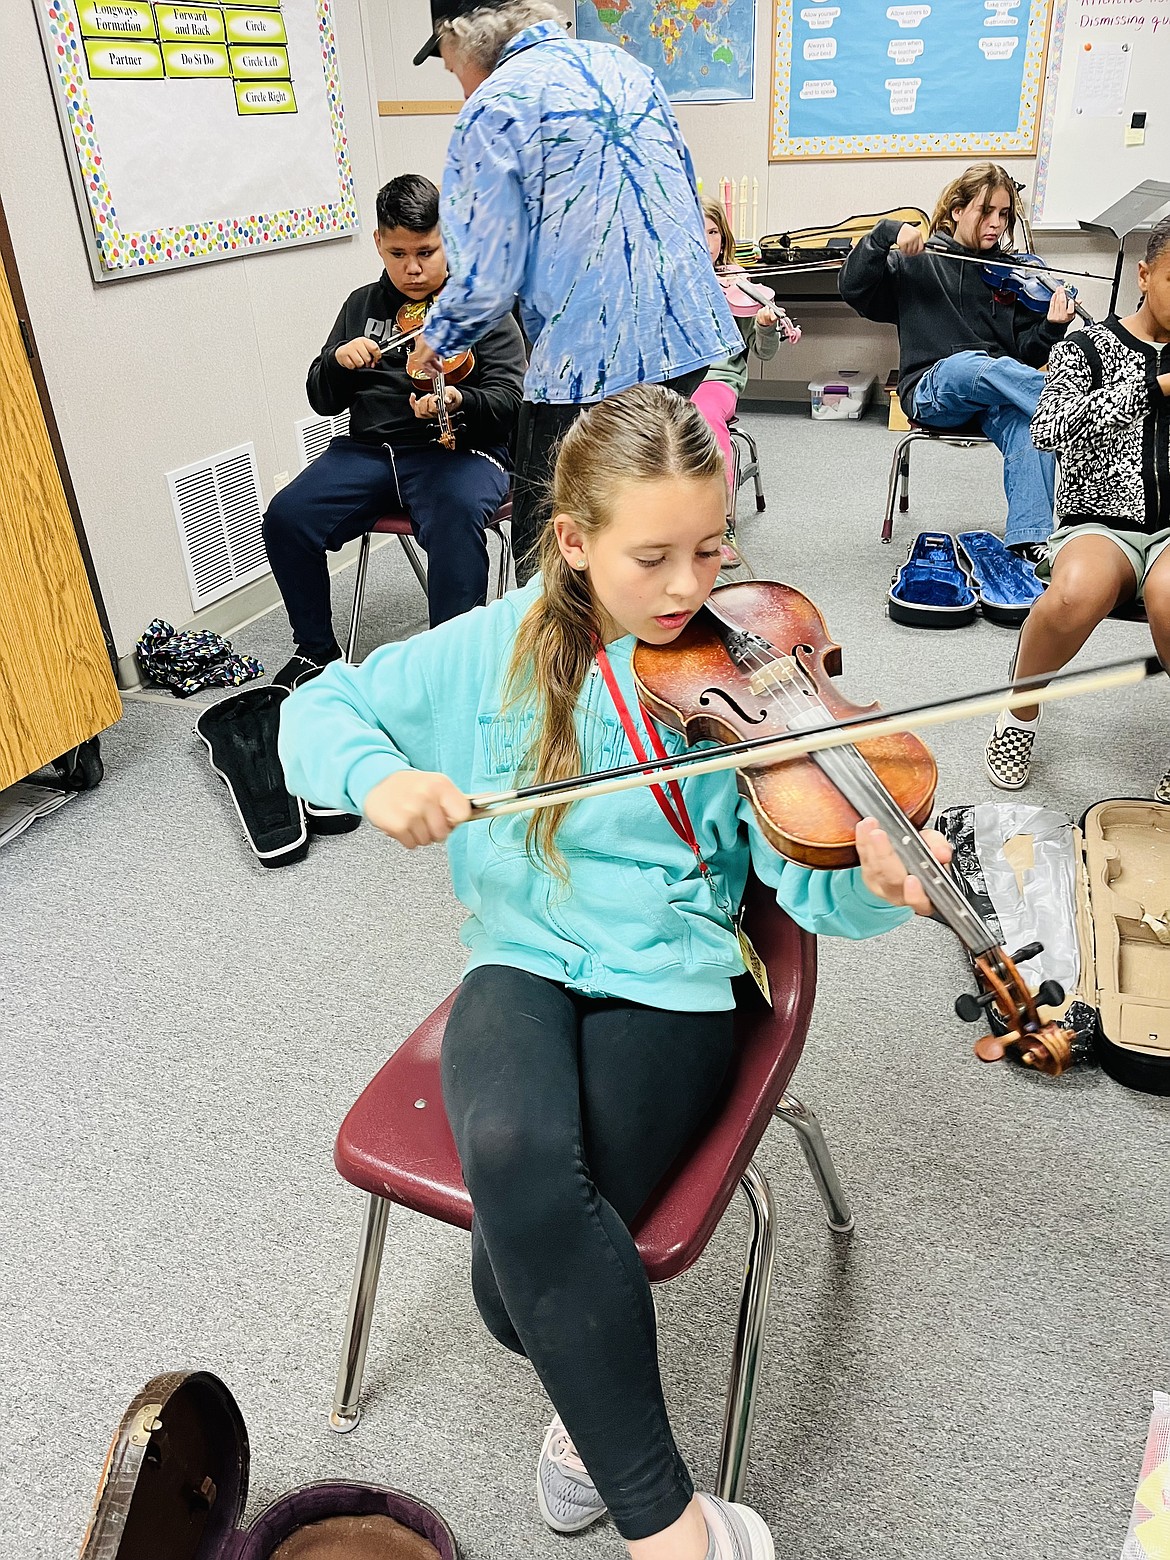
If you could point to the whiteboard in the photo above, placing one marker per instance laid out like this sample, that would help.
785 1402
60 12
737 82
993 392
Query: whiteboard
1109 59
199 131
948 78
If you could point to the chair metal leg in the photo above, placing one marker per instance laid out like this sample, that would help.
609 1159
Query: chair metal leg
733 489
896 477
754 472
747 1357
359 597
804 1123
904 495
346 1407
414 557
505 558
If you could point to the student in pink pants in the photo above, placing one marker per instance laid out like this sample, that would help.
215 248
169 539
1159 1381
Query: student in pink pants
718 395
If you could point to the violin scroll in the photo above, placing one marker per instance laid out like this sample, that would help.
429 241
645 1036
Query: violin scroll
1040 1044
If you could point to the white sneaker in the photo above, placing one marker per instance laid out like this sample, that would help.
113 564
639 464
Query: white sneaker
565 1493
736 1532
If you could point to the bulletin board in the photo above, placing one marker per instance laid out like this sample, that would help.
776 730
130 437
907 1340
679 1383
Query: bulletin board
1109 63
199 132
870 78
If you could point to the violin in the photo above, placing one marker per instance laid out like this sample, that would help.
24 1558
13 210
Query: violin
1024 277
746 299
752 670
409 320
759 657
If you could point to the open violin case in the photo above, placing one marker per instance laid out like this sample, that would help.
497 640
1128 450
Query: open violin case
175 1483
1097 897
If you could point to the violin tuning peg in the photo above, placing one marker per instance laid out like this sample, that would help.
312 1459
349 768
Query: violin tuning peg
1028 951
1050 994
970 1008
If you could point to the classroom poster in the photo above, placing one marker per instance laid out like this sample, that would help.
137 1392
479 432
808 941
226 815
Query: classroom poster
916 78
199 132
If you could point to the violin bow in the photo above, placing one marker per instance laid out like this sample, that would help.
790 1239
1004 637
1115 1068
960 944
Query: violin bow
760 751
1008 263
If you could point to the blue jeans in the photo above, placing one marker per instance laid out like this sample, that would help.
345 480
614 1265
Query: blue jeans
448 494
1000 394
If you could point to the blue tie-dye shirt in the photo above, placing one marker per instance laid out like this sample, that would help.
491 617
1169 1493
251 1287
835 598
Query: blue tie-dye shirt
568 185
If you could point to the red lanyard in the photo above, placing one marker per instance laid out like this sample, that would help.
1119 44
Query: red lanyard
674 809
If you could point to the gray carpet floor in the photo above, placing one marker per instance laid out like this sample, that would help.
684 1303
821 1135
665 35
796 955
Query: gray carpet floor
968 1375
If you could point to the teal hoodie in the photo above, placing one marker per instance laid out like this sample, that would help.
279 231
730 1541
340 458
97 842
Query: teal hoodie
636 919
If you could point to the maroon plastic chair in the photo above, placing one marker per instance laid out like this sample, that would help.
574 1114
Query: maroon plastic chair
399 525
396 1145
964 438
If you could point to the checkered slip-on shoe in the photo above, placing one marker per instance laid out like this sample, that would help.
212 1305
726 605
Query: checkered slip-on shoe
1162 789
1008 757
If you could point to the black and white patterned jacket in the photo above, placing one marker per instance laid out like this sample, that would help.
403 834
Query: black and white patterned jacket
1102 412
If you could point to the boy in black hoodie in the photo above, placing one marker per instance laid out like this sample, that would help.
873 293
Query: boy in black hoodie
391 459
968 353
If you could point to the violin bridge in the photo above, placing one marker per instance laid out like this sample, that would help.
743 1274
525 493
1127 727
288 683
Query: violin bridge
775 674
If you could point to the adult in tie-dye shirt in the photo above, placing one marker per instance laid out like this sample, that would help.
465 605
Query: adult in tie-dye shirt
568 186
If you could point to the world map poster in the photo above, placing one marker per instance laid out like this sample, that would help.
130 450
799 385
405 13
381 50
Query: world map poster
703 51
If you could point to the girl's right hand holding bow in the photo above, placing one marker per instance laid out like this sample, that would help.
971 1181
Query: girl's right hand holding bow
417 807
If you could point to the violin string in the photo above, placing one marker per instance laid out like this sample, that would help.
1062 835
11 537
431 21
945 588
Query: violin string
855 777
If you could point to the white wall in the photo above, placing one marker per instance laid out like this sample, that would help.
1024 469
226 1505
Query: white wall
151 374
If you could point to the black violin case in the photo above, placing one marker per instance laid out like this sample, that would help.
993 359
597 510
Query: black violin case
175 1483
1117 909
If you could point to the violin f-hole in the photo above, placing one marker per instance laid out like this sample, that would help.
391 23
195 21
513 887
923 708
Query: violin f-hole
709 694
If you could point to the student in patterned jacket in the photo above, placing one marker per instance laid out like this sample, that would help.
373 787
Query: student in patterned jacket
568 186
1105 411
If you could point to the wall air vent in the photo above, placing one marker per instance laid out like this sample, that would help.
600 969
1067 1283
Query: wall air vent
218 510
314 434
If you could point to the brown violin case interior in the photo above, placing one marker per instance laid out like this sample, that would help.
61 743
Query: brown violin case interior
1123 927
176 1480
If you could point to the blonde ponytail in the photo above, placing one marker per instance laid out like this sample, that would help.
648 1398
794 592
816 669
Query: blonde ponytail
642 435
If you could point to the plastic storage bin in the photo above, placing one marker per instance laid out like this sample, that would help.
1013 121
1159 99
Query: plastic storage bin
847 394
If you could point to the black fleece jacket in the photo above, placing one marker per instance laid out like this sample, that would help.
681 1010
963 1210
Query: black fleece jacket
939 306
378 398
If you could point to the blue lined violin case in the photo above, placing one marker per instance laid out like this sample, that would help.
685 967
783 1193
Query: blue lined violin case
932 589
944 586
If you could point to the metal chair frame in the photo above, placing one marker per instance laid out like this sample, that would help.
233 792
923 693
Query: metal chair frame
899 488
399 526
742 470
755 1292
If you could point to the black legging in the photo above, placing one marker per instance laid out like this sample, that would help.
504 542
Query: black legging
567 1111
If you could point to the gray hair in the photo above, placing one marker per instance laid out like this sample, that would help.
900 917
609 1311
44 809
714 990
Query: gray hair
481 36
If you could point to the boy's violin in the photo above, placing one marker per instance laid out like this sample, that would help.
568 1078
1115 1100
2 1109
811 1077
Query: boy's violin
746 299
752 671
410 319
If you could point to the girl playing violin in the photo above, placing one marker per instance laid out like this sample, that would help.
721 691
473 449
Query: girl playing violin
1105 410
593 1027
967 352
718 395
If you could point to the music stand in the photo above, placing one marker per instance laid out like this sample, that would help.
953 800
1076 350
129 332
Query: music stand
1133 213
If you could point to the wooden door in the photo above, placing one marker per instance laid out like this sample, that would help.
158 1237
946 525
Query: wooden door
57 687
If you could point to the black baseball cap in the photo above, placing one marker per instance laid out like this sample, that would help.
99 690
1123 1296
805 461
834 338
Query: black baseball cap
446 11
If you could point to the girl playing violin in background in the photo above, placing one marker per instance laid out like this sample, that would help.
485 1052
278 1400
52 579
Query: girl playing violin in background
593 1028
969 352
718 395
